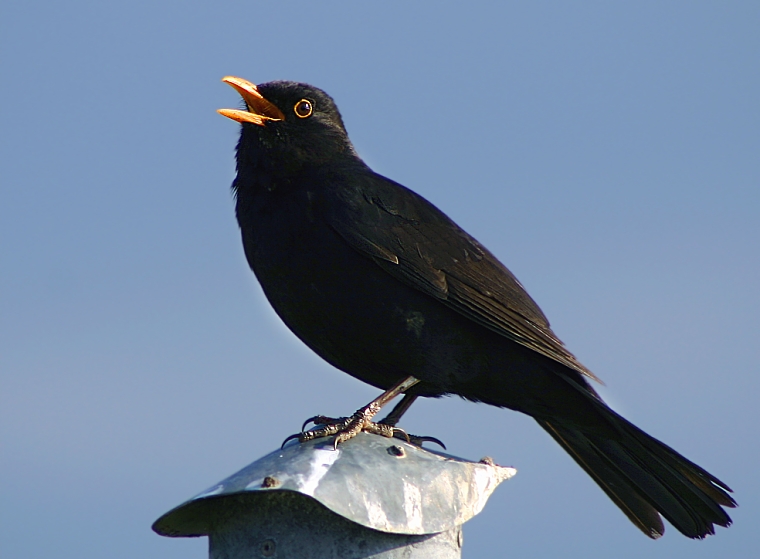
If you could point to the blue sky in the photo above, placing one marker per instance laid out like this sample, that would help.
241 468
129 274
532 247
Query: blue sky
607 153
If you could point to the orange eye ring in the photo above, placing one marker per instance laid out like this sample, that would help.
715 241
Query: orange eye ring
303 108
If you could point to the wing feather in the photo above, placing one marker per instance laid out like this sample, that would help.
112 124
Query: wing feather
418 244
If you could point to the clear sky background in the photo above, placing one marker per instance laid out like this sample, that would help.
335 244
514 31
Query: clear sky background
607 152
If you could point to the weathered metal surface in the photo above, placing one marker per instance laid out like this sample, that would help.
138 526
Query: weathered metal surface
288 525
379 483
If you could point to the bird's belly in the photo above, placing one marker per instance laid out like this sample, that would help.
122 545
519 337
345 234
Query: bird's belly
362 320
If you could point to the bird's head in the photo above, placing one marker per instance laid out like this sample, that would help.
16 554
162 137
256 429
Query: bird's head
287 125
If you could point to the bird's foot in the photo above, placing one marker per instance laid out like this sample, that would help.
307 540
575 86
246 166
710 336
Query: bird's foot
346 428
393 418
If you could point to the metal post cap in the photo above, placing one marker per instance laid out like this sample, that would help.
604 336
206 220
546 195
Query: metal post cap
379 483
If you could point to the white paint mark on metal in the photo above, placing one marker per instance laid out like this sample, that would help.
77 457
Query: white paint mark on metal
376 515
483 484
319 465
413 506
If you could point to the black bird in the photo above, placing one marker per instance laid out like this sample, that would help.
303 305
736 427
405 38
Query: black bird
384 286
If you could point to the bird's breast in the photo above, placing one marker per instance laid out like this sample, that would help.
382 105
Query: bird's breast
340 302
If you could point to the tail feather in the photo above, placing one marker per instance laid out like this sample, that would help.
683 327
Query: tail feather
714 489
616 486
645 477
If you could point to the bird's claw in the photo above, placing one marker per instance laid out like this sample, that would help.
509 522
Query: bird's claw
346 428
290 438
416 440
322 420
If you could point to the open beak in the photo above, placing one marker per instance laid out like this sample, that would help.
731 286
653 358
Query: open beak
259 109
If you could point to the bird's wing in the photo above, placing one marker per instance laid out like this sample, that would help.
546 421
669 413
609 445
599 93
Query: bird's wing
418 244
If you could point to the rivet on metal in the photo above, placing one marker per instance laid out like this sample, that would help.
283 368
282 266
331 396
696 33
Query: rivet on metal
395 450
267 548
270 481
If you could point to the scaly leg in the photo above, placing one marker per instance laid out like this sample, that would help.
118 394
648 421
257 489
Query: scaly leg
346 428
393 418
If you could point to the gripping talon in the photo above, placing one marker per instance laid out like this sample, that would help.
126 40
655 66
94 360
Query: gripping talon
346 428
324 420
310 420
404 435
419 440
290 438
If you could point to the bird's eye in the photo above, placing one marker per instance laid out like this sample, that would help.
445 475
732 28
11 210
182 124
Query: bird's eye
303 108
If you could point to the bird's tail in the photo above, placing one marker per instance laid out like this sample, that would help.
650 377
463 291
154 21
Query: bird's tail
645 477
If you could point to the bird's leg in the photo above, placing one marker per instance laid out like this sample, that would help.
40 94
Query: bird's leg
393 418
346 428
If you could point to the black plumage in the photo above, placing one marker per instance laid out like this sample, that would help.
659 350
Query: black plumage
381 284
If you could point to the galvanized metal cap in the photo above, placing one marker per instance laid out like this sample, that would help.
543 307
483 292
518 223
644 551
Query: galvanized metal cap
383 484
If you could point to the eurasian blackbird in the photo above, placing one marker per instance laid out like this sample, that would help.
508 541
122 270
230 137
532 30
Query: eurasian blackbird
384 286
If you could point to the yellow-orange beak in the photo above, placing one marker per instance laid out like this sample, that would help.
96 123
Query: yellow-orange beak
259 109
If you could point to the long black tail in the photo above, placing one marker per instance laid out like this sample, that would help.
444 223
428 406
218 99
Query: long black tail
645 477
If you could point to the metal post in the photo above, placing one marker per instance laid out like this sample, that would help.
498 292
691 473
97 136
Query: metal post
373 497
